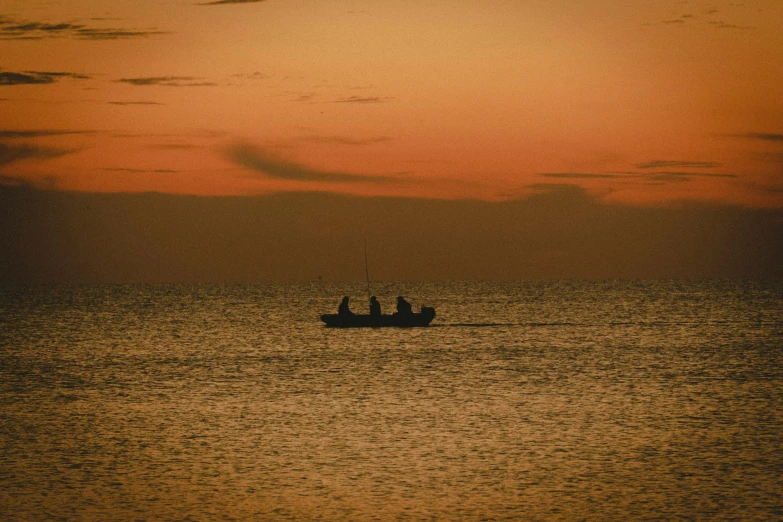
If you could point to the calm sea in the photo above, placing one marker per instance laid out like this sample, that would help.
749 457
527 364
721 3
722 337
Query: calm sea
523 401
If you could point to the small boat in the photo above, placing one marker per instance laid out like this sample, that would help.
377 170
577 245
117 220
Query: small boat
352 320
377 321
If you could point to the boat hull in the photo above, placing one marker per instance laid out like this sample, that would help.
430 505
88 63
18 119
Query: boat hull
379 321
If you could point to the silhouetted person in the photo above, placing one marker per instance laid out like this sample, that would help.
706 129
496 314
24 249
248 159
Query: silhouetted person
343 308
403 306
375 306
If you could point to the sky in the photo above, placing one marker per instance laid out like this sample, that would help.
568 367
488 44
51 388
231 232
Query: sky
667 114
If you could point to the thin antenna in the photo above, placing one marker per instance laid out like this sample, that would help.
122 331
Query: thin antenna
366 270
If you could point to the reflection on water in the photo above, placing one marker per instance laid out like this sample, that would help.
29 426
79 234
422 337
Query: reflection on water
564 400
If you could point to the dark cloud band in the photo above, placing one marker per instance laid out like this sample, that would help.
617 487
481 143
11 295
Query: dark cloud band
361 99
259 160
578 175
14 30
37 77
134 103
167 81
12 153
228 2
670 164
764 136
37 133
659 176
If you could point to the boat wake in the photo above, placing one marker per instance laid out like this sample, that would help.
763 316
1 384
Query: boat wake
473 325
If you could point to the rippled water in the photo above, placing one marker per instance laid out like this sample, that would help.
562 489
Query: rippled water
536 401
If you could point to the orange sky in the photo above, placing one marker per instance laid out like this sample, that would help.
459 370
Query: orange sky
637 102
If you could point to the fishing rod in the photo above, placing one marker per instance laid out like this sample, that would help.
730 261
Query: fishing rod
367 270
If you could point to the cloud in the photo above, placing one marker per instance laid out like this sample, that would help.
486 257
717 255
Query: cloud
11 78
692 20
308 97
174 146
663 164
134 103
661 176
13 181
38 133
37 77
764 136
683 176
565 233
142 171
251 76
15 30
115 34
313 97
578 175
259 160
226 2
12 153
34 27
361 99
60 74
570 190
724 25
167 81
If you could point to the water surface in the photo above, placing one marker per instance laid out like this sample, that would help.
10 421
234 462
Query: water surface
538 401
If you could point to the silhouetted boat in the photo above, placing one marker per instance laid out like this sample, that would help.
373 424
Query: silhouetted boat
378 321
405 319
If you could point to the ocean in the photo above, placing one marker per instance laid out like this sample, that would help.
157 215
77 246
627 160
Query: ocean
561 400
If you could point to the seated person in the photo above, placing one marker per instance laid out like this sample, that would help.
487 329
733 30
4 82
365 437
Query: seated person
375 306
403 306
343 308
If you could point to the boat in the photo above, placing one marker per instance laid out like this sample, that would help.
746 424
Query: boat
378 321
403 320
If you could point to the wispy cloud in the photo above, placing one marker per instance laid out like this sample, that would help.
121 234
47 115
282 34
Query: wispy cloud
314 97
764 136
709 20
257 75
676 164
361 99
12 153
174 146
683 176
658 176
168 81
37 77
14 181
60 74
578 175
305 97
134 103
37 133
142 171
724 25
558 188
24 30
226 2
266 163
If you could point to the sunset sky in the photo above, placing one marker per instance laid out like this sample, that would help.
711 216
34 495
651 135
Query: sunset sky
634 105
